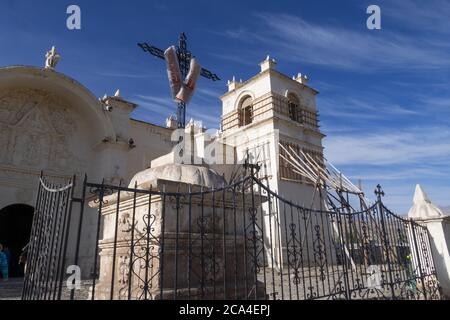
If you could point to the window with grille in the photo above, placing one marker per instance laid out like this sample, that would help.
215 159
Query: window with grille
301 114
294 108
246 112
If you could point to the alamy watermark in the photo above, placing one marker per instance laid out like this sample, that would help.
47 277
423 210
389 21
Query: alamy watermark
74 19
374 20
74 279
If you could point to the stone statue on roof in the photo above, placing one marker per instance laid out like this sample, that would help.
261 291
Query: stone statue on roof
52 59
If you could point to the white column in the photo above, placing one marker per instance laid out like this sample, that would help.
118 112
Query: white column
439 230
424 212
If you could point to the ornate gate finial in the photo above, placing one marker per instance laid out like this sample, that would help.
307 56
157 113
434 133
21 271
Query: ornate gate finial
379 192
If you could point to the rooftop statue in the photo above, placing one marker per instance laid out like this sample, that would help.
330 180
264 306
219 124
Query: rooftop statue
52 59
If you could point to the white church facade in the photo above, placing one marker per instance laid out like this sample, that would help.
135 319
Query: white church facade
49 122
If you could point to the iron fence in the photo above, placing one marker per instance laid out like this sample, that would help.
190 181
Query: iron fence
241 241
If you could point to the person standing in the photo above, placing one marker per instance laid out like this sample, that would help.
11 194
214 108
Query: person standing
4 266
8 256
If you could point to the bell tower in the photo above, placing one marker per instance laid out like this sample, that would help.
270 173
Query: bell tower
268 110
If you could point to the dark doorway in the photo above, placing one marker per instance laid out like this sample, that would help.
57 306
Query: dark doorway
15 228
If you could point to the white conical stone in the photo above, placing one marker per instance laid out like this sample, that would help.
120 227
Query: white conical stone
423 208
420 195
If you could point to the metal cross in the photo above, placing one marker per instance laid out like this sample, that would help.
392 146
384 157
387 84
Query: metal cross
379 192
184 58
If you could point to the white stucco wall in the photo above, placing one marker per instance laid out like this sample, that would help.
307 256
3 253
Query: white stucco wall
439 230
152 142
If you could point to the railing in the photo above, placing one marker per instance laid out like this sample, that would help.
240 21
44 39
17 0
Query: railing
242 241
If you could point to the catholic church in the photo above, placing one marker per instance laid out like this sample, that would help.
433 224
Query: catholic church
50 122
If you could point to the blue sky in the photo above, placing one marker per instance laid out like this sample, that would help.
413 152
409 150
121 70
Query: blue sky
385 98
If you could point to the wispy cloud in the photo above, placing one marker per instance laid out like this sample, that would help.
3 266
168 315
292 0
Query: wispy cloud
298 40
164 107
416 14
154 104
369 107
398 163
128 75
197 113
214 94
440 102
413 146
232 57
346 48
397 173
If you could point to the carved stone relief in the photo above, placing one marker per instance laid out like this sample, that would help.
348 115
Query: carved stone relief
36 128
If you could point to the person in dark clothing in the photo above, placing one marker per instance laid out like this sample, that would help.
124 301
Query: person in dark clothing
4 265
8 255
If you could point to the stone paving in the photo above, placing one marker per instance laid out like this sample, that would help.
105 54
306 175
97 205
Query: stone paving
287 289
11 290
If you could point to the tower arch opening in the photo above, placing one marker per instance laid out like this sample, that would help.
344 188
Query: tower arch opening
246 111
294 108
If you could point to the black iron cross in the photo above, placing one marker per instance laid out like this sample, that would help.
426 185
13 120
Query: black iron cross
379 192
184 58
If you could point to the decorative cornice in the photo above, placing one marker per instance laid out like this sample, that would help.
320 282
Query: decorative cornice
31 172
270 72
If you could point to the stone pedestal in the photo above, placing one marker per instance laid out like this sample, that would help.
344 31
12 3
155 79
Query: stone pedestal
179 241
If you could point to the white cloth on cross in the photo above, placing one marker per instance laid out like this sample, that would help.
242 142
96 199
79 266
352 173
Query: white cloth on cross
182 90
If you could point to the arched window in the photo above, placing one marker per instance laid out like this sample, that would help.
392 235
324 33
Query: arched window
294 108
246 112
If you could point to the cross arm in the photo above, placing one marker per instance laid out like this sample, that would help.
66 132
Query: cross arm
209 75
152 50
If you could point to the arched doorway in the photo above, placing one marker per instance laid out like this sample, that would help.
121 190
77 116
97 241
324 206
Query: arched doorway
15 228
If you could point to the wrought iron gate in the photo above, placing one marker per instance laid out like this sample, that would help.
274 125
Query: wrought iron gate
48 242
241 241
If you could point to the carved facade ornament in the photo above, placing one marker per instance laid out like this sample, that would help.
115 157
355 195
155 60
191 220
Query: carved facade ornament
125 222
37 128
52 59
124 269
